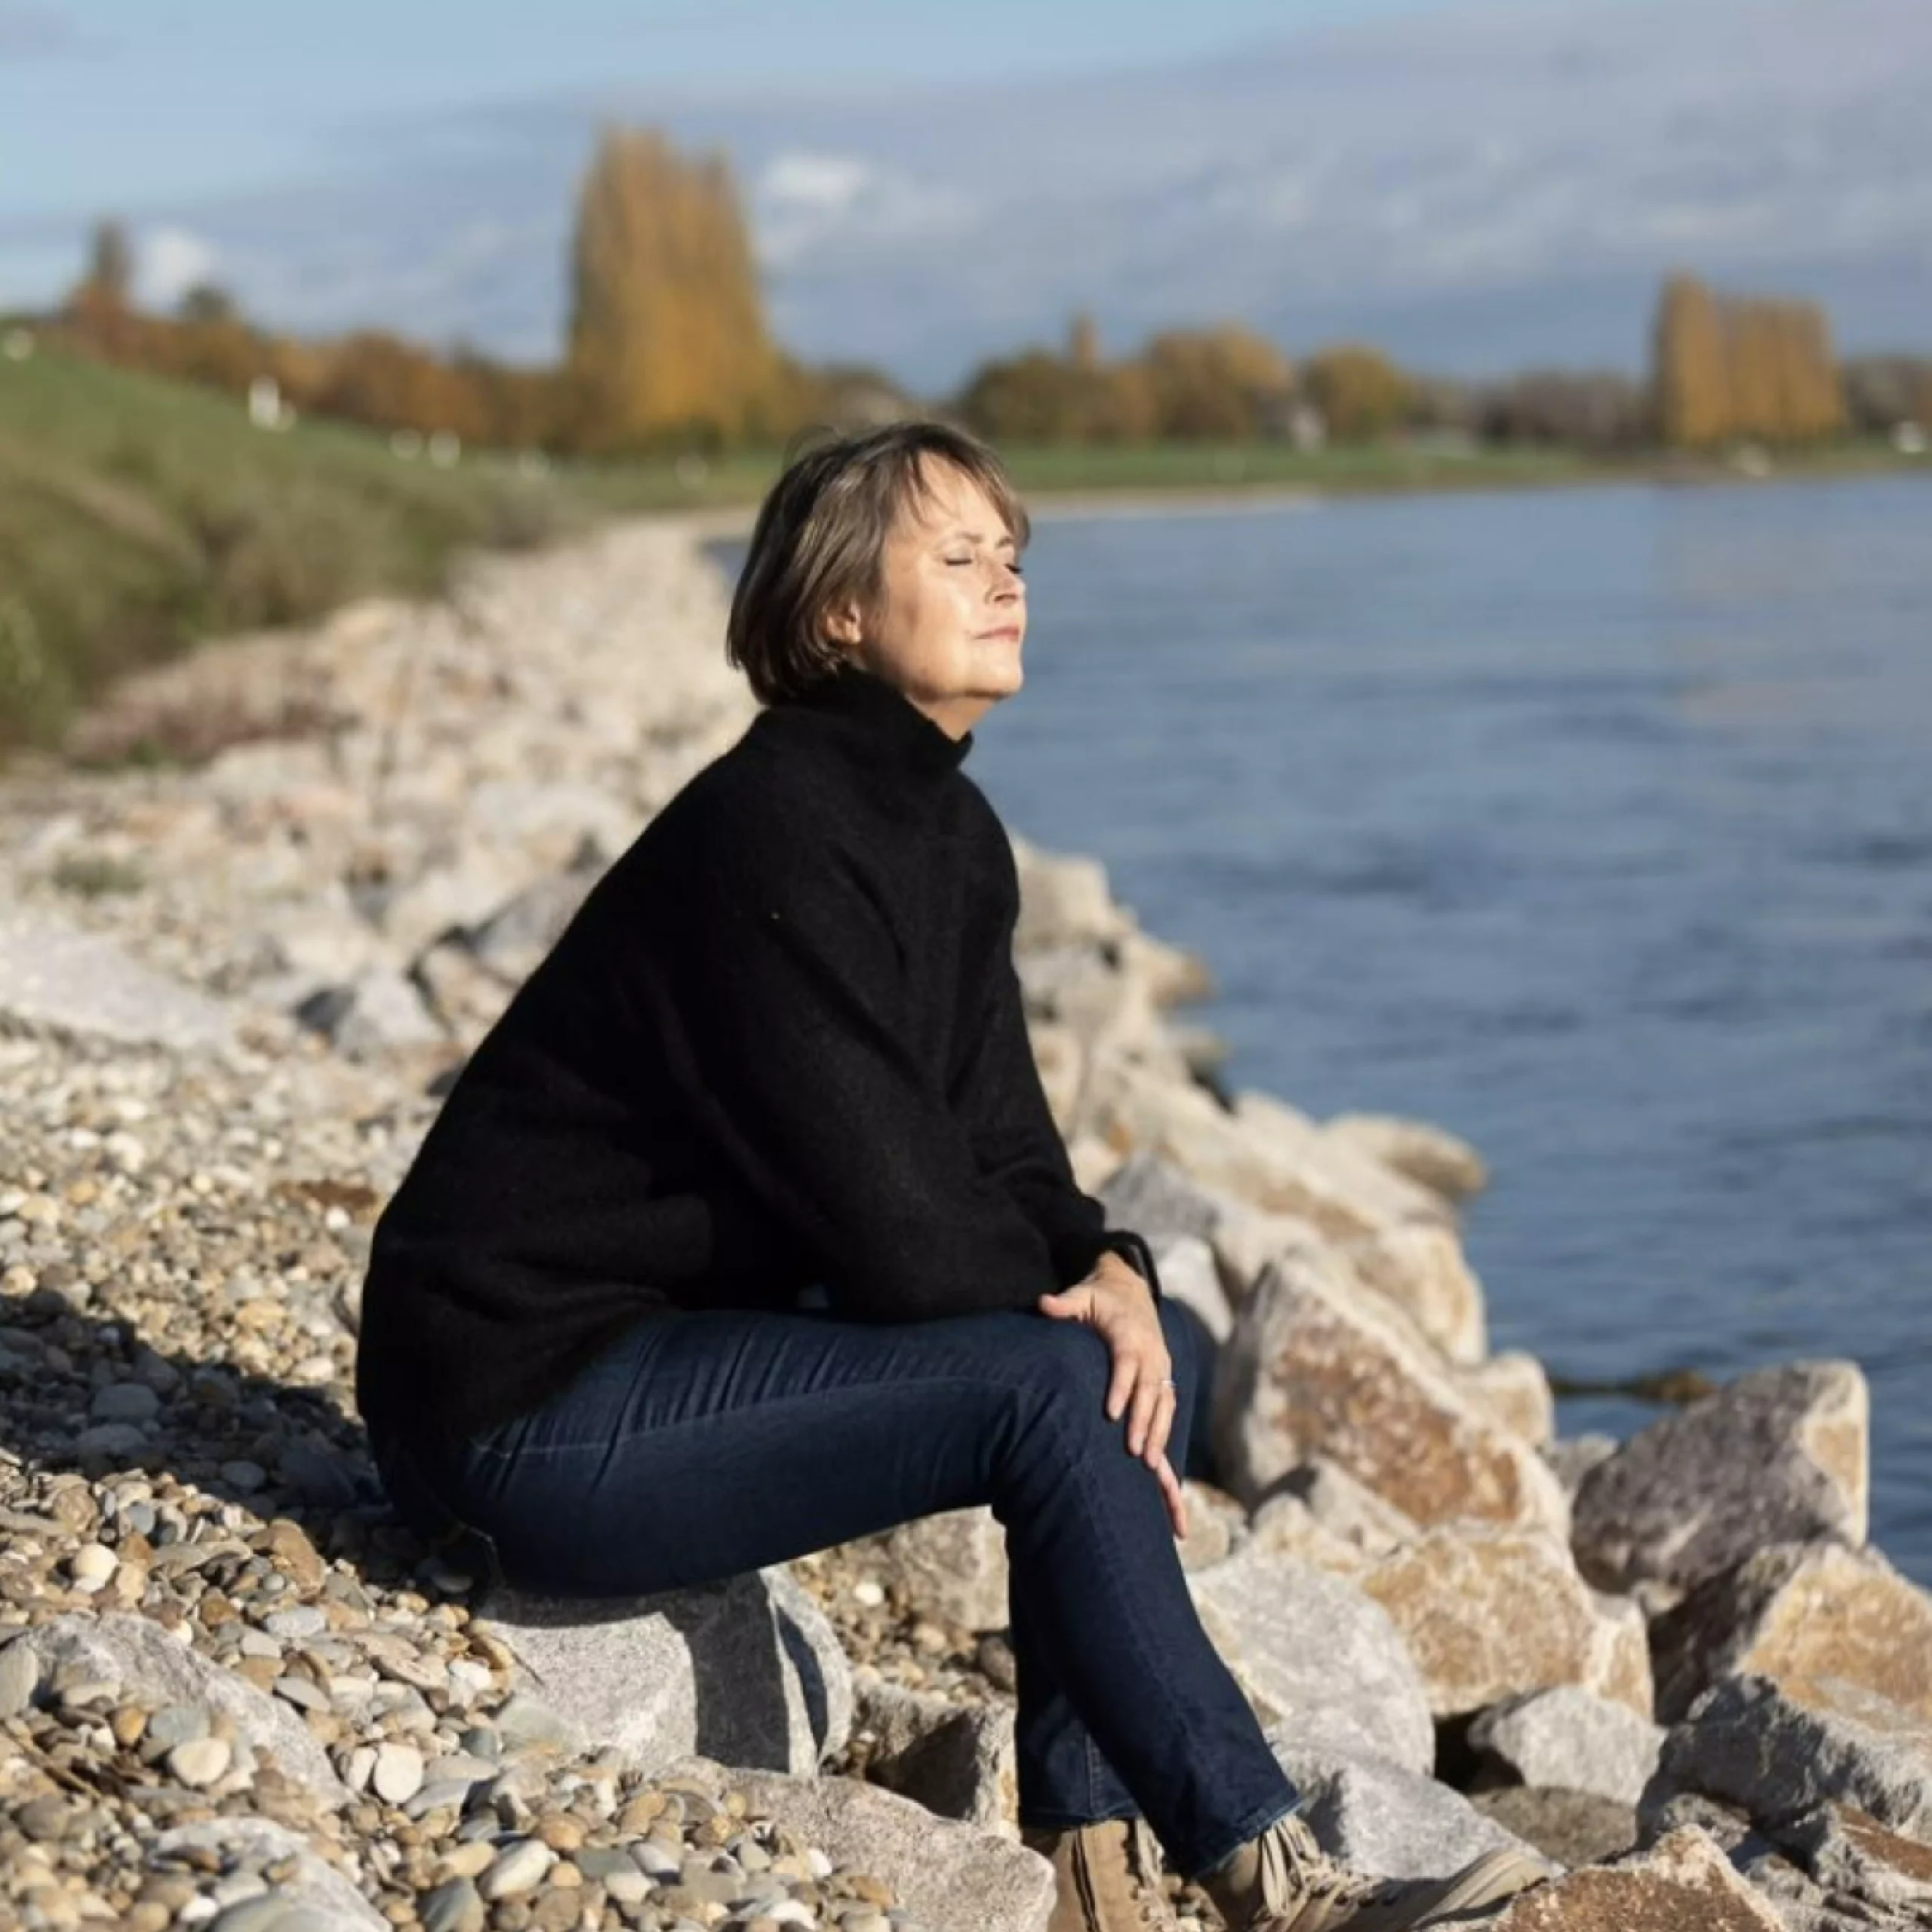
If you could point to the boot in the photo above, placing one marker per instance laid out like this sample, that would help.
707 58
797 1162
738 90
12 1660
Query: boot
1283 1882
1106 1878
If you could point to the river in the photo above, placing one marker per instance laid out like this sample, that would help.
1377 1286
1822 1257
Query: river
1596 825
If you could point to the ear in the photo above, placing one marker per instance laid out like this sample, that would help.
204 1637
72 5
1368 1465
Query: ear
840 622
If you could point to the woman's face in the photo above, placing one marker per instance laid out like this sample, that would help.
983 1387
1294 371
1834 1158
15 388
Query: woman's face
951 616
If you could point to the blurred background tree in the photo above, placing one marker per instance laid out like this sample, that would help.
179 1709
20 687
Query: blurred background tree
1360 393
667 331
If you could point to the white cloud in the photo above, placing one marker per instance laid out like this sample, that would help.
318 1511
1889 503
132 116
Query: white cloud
168 261
822 183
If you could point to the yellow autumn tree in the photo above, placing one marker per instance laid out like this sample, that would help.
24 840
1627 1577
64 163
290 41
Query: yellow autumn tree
1359 391
1690 366
667 330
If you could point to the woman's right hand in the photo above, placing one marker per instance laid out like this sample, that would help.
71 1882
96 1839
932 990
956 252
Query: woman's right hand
1115 1300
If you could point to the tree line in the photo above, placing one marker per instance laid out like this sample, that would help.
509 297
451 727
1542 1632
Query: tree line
669 347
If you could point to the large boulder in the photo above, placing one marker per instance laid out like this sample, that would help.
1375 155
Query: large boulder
1800 1613
1682 1883
1316 1656
1515 1388
1780 1456
1385 1818
1154 1197
957 1760
1189 1275
1851 1856
56 978
1264 1154
945 1874
952 1566
748 1672
152 1666
1419 1266
1568 1739
1488 1615
1747 1742
1316 1367
1320 1514
1428 1155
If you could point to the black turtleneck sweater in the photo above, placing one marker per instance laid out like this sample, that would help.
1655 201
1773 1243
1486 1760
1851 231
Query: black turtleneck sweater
782 1043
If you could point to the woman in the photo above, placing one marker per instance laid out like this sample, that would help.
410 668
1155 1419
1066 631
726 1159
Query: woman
747 1229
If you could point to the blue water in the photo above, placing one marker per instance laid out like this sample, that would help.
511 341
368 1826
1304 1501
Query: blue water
1594 825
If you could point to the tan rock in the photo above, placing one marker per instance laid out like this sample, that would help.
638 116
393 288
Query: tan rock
1315 1367
1062 1062
1321 1514
1514 1387
1420 1266
1428 1155
952 1566
957 1760
1802 1614
1264 1154
1491 1615
1682 1884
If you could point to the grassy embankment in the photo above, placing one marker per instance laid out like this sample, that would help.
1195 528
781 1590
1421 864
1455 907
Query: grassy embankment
138 516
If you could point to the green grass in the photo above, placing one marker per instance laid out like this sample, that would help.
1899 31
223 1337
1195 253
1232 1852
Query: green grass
138 516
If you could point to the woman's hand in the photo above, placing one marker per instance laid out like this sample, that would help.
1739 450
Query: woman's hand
1115 1300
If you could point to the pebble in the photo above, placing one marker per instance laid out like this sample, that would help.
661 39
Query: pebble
399 1773
519 1868
20 1672
456 1906
91 1565
125 1402
201 1761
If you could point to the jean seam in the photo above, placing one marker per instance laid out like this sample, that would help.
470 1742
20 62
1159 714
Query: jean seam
1263 1818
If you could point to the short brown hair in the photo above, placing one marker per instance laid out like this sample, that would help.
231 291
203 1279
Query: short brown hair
820 539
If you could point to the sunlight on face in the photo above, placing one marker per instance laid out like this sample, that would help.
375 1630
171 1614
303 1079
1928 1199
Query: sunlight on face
951 619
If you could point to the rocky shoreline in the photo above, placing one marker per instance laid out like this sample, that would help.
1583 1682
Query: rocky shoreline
235 1694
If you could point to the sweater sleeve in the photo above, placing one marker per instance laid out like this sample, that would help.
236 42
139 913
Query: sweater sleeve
790 999
1016 1142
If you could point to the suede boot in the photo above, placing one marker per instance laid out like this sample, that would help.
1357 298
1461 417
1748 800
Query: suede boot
1106 1876
1282 1881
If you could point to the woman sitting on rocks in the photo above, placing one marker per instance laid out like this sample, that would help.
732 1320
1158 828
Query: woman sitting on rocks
747 1230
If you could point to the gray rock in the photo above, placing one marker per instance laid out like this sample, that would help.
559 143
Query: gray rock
748 1670
1572 1740
125 1402
140 1657
1780 1456
957 1760
19 1677
1189 1275
1382 1816
514 939
1317 1655
1156 1199
56 978
367 1016
455 1906
944 1874
313 1886
952 1565
519 1868
1570 1827
112 1439
1850 1855
1347 1507
1749 1743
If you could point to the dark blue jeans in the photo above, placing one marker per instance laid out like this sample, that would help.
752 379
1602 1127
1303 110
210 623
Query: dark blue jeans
699 1446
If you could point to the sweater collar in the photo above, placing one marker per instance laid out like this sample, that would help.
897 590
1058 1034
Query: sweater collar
881 726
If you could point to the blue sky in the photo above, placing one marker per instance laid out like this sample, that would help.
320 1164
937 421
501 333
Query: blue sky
1478 183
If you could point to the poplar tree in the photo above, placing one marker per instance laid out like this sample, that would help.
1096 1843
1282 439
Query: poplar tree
667 328
1690 359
